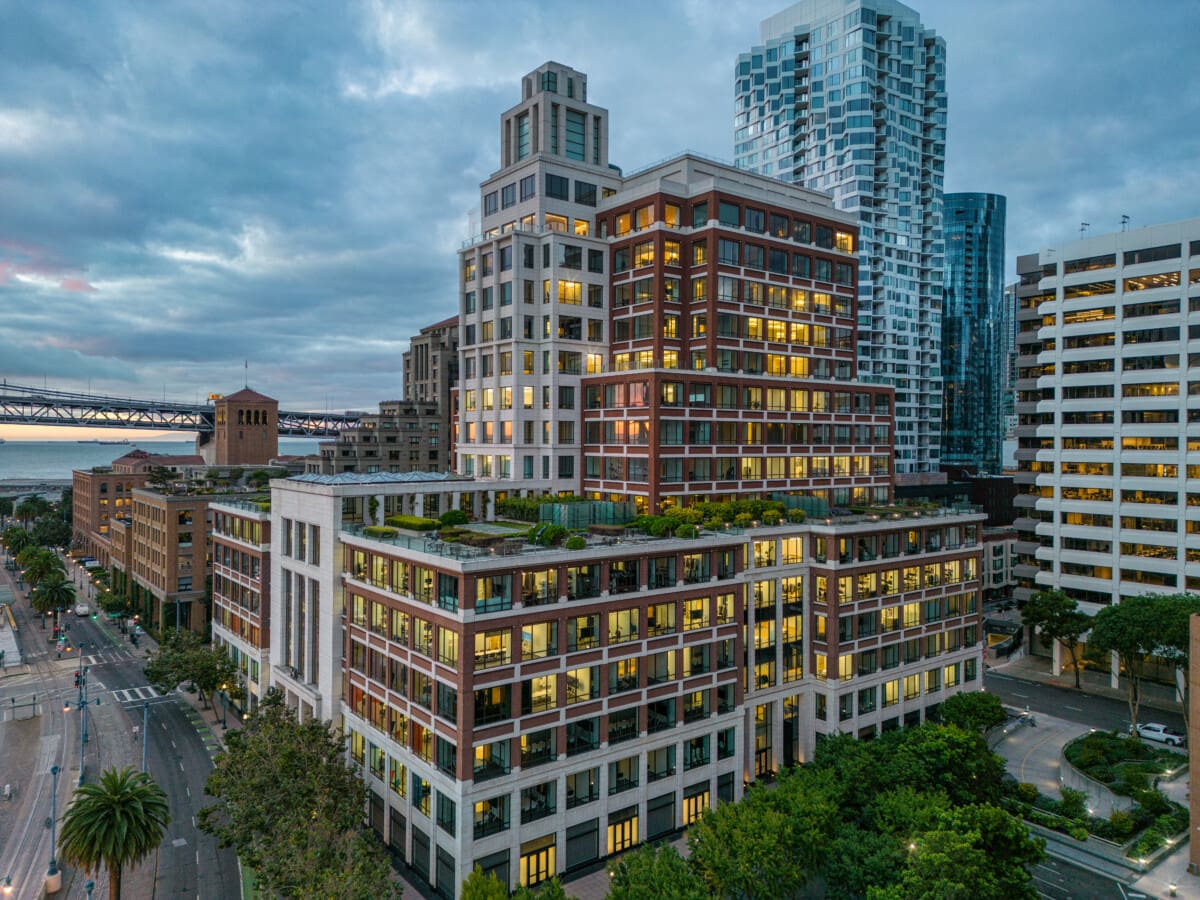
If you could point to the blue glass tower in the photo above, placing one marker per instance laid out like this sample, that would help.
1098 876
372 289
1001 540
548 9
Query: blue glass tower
849 97
975 339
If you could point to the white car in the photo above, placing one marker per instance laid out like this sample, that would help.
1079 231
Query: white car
82 609
1153 731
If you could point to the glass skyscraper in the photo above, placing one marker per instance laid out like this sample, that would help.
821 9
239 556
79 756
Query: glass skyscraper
976 334
850 98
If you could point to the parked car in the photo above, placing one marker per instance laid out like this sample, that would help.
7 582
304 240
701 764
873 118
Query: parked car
1153 731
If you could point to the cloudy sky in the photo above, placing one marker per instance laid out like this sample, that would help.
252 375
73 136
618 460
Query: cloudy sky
188 185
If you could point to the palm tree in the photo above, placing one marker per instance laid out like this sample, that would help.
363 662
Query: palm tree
39 564
114 822
17 539
53 592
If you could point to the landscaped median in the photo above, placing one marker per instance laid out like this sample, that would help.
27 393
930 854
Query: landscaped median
1119 775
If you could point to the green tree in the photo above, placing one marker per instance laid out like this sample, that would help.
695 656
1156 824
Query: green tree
16 539
39 563
292 809
1056 617
771 843
1177 612
52 593
183 656
51 531
1133 629
113 823
974 711
546 890
478 886
651 872
30 508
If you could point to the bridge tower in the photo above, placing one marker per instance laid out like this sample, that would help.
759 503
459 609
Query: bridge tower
245 430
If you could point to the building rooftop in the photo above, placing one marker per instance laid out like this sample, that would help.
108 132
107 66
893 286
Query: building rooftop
378 478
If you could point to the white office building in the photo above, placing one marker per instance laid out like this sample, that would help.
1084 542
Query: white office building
1108 410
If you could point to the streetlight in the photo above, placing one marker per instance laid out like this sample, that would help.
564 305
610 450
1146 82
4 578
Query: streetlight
224 708
89 887
53 876
8 888
82 705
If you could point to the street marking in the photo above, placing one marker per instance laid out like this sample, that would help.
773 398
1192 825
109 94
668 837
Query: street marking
181 767
1015 694
189 791
136 694
1076 708
179 842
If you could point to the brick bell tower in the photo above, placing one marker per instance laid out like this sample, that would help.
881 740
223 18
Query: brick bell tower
246 431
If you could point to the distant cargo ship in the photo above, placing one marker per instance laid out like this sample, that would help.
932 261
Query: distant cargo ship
93 441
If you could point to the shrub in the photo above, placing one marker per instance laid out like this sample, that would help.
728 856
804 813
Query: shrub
771 516
743 520
796 516
453 517
412 523
1121 824
687 531
1026 792
381 531
1074 803
1135 779
575 542
1154 803
1079 832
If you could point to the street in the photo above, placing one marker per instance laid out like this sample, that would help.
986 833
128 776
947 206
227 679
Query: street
179 746
1103 713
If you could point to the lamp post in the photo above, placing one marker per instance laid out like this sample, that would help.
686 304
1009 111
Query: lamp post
53 876
82 705
89 886
224 707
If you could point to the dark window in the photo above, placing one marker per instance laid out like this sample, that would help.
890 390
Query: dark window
558 187
489 203
595 260
1151 254
730 214
508 196
585 193
755 220
699 215
824 237
528 187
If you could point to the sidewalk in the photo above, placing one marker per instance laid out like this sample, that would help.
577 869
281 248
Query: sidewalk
1037 668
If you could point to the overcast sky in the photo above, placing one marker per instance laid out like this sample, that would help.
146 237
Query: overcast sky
185 186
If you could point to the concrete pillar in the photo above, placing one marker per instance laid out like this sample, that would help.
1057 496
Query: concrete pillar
1114 670
456 500
418 504
1056 658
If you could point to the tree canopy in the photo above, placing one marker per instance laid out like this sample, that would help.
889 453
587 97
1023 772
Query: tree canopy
974 711
293 810
113 823
183 656
1133 629
1057 617
913 813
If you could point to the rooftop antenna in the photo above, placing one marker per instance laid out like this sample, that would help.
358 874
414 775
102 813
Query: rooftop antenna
1083 227
1124 221
247 378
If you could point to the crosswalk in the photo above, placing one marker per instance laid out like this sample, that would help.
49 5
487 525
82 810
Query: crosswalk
135 694
107 656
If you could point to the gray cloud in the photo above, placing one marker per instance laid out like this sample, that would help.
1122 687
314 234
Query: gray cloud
186 186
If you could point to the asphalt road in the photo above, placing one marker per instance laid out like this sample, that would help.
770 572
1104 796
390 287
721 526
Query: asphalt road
1103 713
179 746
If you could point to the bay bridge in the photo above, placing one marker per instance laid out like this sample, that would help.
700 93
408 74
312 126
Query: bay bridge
25 405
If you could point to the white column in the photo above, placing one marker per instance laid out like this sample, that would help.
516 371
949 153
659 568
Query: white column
419 505
1055 658
1114 670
